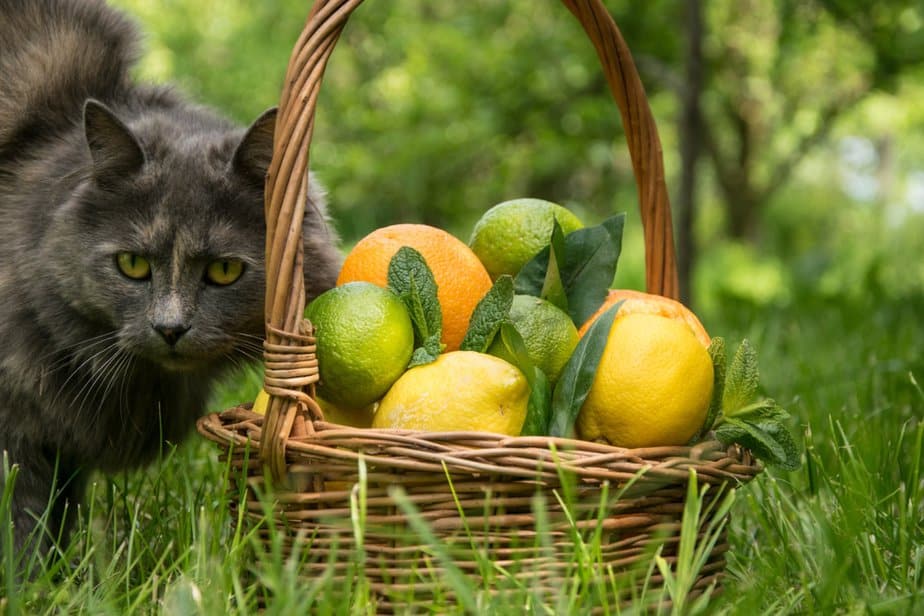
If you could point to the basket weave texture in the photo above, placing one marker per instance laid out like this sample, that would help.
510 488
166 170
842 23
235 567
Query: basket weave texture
473 489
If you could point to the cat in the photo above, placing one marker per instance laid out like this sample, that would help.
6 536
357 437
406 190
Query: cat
131 255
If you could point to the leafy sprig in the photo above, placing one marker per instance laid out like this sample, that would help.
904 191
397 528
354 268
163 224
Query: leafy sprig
739 415
411 278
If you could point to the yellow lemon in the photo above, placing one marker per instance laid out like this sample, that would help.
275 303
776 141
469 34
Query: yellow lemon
653 385
365 340
357 418
461 390
509 234
261 403
346 416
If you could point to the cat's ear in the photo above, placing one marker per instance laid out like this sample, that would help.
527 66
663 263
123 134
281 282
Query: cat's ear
115 151
253 154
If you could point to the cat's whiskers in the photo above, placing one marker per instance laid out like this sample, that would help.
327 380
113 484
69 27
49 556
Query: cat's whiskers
95 374
75 372
114 374
70 352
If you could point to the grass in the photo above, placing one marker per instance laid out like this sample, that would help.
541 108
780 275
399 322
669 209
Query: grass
843 534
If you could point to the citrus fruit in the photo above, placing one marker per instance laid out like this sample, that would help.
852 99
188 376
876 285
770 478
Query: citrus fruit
345 416
364 342
461 390
652 387
649 303
548 332
460 277
509 234
261 403
357 418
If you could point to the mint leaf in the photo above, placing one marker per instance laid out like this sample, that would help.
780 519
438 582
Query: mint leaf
591 256
552 288
578 375
411 278
719 360
741 381
763 409
767 439
488 315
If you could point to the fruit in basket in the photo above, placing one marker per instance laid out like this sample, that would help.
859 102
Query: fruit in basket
346 416
261 402
649 303
511 233
653 385
460 277
547 331
364 339
461 390
357 418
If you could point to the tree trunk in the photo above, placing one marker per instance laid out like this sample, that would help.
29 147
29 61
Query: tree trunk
690 148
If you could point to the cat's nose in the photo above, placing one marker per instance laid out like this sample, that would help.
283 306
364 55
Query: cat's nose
171 333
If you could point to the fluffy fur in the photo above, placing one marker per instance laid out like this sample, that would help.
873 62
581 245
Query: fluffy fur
98 369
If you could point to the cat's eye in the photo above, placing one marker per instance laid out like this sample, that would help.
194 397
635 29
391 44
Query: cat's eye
224 271
133 266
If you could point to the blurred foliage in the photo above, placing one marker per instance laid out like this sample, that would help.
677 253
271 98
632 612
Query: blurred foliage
434 111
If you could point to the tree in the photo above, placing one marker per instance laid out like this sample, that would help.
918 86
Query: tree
781 74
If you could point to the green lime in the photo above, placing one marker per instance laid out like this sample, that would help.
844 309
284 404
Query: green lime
509 234
365 340
548 332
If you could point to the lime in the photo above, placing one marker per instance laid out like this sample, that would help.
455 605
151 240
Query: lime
547 330
509 234
364 341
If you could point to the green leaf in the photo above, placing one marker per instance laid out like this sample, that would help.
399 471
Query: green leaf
768 439
426 353
540 395
719 360
763 409
488 315
411 278
552 288
578 375
591 256
539 407
741 381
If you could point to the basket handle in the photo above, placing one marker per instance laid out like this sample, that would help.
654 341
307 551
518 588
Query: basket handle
291 367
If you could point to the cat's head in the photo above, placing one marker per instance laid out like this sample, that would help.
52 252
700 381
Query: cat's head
163 241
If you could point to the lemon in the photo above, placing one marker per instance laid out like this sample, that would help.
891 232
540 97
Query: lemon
653 385
345 416
357 418
461 390
548 332
364 341
261 403
509 234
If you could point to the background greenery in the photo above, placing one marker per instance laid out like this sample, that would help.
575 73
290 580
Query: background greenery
808 209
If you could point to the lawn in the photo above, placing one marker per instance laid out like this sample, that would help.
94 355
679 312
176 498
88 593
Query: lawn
843 534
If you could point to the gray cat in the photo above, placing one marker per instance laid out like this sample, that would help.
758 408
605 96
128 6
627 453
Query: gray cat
131 254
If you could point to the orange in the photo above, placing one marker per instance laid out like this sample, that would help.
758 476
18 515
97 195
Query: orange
648 303
460 277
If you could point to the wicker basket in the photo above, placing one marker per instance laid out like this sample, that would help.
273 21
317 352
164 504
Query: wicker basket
477 493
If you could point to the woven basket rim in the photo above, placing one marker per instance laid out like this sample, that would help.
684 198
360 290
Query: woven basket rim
487 452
